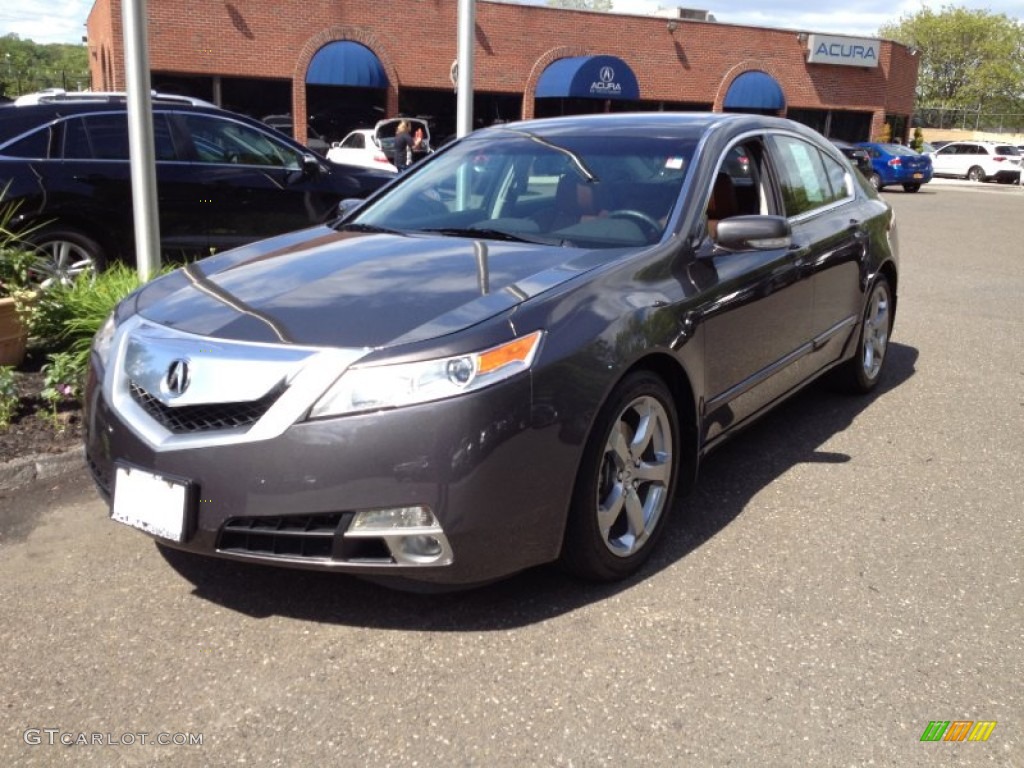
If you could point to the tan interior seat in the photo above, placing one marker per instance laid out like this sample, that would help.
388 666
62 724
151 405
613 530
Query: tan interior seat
722 204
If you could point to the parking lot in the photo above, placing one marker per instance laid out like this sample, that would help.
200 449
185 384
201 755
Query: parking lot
847 571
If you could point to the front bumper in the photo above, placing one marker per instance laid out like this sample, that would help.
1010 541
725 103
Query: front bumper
497 479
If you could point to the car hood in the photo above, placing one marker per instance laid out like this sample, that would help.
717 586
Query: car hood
321 287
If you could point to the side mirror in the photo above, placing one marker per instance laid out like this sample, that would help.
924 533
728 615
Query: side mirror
348 206
310 165
754 233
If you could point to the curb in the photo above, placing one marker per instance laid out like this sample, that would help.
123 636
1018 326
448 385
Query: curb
20 472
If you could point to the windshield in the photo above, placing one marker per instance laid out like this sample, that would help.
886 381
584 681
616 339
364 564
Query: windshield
586 191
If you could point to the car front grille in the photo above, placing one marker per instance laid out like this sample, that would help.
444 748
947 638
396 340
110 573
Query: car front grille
206 417
319 537
303 536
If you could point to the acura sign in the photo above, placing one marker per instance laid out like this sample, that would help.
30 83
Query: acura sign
847 51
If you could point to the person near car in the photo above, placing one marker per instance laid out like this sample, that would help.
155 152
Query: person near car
418 147
403 146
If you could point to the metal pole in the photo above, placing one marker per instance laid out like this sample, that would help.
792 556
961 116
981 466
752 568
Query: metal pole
141 145
464 83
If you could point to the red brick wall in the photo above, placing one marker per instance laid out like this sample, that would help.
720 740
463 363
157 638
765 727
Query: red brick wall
416 41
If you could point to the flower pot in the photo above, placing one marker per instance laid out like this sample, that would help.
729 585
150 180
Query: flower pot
13 334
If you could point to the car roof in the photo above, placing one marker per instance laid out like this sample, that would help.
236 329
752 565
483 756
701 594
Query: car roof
846 144
59 95
683 125
16 120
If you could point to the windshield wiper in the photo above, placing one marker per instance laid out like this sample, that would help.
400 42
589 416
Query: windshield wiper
356 227
491 234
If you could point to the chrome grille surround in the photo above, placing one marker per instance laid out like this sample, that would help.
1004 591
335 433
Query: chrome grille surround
275 385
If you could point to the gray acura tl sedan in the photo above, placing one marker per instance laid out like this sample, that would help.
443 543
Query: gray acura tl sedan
517 353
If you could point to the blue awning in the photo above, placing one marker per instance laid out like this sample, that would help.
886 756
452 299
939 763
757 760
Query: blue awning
588 77
346 63
755 90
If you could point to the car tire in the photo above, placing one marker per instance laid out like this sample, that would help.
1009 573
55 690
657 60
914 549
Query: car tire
862 373
976 173
64 254
626 481
876 182
911 187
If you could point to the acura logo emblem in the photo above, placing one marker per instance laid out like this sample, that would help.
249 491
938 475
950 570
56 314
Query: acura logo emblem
607 74
177 377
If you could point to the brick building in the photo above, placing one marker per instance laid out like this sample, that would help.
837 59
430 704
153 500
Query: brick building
349 63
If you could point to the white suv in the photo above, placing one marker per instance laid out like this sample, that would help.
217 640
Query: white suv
978 161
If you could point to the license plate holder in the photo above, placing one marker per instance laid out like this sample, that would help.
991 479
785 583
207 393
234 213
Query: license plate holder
152 503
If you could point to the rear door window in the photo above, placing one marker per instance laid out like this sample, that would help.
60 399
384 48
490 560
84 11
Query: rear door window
105 137
34 146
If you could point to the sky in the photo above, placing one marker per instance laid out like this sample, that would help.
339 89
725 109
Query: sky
63 21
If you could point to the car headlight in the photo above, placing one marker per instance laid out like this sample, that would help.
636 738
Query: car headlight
391 386
103 339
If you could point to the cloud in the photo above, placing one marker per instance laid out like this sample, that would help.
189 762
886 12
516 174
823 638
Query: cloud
45 21
63 21
855 17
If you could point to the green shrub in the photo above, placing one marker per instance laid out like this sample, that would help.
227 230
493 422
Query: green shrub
917 143
62 381
17 257
8 396
64 319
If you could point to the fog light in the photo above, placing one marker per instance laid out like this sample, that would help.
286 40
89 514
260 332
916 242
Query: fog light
412 535
421 546
393 519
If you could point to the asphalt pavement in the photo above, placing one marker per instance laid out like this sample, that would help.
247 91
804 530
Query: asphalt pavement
847 572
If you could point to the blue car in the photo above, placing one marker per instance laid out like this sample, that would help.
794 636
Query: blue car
897 164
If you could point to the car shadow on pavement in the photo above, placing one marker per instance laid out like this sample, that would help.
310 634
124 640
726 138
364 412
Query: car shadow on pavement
730 477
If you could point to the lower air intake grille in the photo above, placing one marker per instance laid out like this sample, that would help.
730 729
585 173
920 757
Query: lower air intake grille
204 418
309 536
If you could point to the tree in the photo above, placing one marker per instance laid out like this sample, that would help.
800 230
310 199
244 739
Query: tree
582 5
969 59
26 66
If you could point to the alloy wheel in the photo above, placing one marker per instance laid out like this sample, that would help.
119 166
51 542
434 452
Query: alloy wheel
61 261
876 331
635 475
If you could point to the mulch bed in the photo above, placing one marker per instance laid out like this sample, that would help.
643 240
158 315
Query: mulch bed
34 429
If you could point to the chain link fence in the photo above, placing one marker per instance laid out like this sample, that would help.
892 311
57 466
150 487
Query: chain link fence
966 119
15 82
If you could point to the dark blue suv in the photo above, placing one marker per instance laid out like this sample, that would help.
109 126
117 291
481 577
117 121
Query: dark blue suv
223 179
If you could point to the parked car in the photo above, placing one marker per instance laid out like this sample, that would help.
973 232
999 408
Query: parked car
897 164
286 125
361 147
373 148
978 161
222 179
858 156
444 387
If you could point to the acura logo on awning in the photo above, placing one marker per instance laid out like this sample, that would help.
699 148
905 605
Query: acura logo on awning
607 74
177 377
